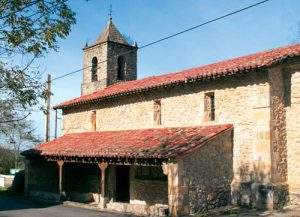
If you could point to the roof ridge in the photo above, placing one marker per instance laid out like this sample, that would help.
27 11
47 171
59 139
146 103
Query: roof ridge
153 128
224 67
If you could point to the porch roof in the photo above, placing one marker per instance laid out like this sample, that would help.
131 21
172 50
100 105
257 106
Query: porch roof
157 143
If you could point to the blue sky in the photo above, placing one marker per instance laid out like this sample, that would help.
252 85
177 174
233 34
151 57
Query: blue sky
270 25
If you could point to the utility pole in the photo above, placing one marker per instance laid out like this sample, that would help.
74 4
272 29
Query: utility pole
55 130
47 112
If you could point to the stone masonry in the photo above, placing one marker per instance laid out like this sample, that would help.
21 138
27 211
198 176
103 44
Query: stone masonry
243 101
107 56
293 133
197 187
255 163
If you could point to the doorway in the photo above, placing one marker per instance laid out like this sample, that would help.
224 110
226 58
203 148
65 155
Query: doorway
122 184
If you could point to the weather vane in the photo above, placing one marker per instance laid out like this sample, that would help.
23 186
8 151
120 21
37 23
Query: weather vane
110 12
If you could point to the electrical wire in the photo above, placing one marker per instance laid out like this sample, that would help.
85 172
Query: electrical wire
171 36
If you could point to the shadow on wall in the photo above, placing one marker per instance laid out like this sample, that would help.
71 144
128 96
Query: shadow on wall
256 190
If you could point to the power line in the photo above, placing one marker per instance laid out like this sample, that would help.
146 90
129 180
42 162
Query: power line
203 24
173 35
70 73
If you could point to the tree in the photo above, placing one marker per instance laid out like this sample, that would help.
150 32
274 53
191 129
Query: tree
6 160
28 30
18 135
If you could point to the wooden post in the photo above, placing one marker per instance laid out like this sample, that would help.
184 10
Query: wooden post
60 165
47 112
102 199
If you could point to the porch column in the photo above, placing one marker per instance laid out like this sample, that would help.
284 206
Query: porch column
177 192
60 165
102 197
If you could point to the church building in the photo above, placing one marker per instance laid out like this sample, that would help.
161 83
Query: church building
178 143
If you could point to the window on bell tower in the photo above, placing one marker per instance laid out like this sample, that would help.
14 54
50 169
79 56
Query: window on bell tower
94 69
121 68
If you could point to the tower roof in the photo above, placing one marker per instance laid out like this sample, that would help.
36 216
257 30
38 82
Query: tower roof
111 33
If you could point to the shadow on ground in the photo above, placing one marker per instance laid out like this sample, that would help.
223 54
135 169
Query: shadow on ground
9 202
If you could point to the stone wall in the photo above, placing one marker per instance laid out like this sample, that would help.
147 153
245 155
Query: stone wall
43 176
147 197
207 174
130 56
278 125
242 101
148 192
81 182
293 135
107 56
41 180
99 51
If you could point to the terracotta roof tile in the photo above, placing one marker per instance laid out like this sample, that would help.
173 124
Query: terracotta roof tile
142 143
223 68
111 33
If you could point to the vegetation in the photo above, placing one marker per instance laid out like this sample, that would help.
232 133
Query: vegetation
28 30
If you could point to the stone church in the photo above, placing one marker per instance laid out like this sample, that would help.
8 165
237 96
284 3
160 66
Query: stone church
178 143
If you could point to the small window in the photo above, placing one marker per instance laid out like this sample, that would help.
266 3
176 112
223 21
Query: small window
157 112
209 106
150 173
93 121
94 69
121 68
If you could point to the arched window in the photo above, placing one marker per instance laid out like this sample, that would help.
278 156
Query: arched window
121 68
94 69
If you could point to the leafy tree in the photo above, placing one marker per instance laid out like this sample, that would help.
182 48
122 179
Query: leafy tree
17 136
6 160
28 29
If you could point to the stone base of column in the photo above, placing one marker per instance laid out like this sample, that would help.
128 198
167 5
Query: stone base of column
62 196
264 196
102 202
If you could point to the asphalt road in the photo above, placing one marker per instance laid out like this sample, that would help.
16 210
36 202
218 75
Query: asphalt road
18 207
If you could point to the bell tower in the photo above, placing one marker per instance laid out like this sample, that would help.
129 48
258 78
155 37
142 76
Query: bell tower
108 61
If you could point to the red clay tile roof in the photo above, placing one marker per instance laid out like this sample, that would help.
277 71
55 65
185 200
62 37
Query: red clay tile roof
223 68
159 143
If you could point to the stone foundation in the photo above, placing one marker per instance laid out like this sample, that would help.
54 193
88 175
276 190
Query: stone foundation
264 196
83 197
139 209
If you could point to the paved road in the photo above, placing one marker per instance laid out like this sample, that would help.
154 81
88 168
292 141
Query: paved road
18 207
